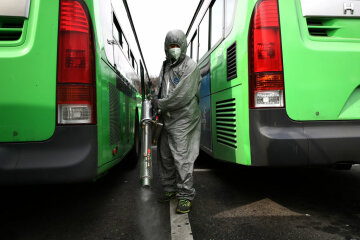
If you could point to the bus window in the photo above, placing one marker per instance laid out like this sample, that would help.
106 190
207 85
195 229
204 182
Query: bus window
136 68
194 47
121 38
204 35
132 59
229 12
217 19
126 48
188 51
117 33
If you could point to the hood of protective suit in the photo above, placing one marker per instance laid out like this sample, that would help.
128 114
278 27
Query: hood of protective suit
176 37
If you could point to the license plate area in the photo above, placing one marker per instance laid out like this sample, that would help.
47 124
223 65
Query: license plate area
15 8
331 8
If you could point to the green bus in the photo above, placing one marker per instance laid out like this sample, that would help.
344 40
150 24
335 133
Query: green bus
70 77
280 81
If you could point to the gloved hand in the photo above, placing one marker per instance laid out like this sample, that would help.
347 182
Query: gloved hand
155 104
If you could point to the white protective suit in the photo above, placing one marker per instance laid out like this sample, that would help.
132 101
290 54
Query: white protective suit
179 103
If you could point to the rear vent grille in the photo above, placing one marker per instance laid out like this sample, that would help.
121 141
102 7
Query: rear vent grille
231 72
318 27
114 109
226 122
11 28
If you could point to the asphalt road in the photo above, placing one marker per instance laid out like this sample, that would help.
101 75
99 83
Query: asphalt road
236 202
232 202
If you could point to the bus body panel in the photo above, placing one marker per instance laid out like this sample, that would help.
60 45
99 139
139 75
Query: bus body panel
28 76
119 103
277 140
321 75
71 153
321 61
231 139
205 107
118 98
228 98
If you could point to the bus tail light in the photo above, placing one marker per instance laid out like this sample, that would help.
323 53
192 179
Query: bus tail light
266 77
76 89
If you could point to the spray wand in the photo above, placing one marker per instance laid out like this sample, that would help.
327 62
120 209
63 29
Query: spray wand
146 153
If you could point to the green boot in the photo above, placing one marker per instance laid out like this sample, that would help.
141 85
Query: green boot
167 197
184 206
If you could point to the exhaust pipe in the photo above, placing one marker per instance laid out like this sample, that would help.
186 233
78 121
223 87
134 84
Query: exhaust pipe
146 154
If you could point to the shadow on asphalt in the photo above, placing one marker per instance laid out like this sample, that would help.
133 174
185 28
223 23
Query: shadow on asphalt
275 203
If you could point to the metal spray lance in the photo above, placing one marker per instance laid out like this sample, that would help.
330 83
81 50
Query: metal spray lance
151 129
146 138
146 116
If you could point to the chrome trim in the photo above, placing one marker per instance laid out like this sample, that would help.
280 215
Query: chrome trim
330 8
15 8
146 115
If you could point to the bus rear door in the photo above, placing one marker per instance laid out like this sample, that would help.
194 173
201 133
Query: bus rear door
28 59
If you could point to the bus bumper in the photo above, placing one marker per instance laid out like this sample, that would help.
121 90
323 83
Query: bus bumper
70 155
276 140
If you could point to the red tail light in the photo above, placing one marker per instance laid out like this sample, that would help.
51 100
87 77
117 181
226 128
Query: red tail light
76 96
266 78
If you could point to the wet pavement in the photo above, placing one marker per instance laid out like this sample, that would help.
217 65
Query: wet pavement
232 202
235 202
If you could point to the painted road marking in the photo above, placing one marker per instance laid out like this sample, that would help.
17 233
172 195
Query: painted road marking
180 224
202 170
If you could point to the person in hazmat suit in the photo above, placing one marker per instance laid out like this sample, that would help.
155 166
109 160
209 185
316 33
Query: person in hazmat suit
178 100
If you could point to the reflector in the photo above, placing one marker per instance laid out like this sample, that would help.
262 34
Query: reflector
266 81
74 114
76 99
